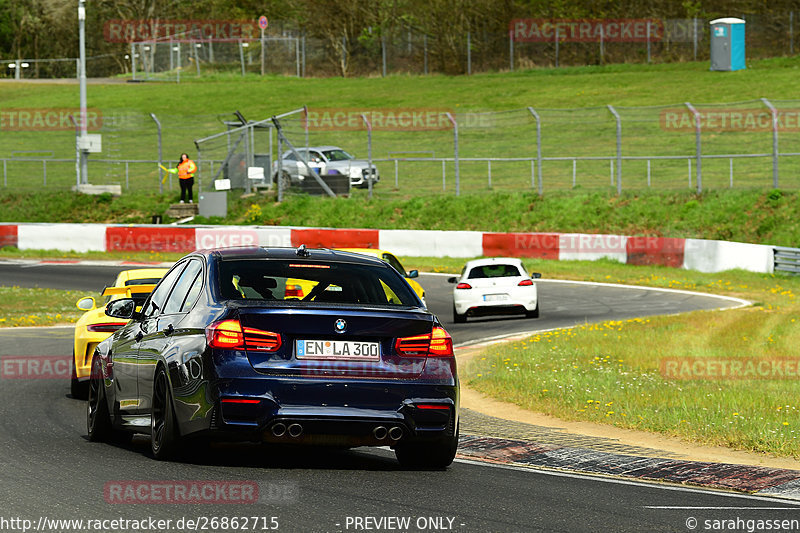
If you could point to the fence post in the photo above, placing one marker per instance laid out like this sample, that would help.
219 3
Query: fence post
396 175
511 49
160 156
556 38
425 53
698 154
369 153
241 55
383 54
455 152
469 54
694 37
538 148
619 148
305 125
344 56
77 152
602 51
730 172
648 42
133 61
279 172
774 141
574 172
195 45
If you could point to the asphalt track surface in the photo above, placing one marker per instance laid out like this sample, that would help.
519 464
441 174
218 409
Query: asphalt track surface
50 471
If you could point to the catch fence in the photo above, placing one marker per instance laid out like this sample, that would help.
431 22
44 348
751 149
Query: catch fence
685 146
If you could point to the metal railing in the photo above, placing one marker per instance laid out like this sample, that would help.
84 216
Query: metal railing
787 259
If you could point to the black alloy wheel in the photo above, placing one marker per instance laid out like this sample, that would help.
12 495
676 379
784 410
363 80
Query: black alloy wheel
98 421
163 435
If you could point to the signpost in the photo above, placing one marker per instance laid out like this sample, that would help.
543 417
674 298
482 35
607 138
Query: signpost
262 23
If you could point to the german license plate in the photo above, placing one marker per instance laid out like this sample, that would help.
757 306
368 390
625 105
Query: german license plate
494 297
340 350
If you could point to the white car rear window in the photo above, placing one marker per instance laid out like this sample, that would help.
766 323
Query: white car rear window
494 271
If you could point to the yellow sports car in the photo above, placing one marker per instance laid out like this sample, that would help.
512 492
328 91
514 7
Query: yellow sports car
392 260
95 326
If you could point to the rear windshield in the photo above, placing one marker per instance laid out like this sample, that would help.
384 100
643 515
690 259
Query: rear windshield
313 281
494 271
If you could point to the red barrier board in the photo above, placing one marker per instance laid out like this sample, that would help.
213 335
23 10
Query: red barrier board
335 238
8 236
655 251
146 239
538 245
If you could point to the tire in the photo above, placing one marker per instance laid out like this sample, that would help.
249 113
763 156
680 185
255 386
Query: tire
458 319
77 389
98 420
434 455
534 313
163 431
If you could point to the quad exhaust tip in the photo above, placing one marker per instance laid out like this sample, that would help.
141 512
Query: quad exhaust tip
279 429
295 430
380 432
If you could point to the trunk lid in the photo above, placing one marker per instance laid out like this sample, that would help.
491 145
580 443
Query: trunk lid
335 342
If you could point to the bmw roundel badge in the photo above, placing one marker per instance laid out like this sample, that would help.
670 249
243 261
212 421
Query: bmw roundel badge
340 325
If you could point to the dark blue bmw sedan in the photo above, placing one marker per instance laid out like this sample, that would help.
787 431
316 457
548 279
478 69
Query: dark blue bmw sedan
305 346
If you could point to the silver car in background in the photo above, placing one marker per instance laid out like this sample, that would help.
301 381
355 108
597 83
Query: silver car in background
324 160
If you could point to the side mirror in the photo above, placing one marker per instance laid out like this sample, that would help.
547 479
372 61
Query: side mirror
122 308
413 274
536 275
86 304
452 280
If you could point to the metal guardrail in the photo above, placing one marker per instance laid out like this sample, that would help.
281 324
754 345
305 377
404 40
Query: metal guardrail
787 260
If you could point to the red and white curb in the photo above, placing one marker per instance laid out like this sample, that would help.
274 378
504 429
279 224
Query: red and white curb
695 254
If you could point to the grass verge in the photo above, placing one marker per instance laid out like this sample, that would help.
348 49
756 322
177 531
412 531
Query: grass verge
725 378
38 307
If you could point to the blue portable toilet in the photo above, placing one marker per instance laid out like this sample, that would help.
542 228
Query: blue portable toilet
727 44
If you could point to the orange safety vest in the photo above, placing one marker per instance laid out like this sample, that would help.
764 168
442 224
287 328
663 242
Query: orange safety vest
187 169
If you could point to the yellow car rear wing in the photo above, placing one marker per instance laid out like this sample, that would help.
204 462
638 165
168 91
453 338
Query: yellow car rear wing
129 290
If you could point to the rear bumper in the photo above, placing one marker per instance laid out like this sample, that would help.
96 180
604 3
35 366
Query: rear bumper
504 307
340 413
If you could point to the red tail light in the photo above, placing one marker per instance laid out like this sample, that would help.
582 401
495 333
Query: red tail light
463 286
434 344
258 339
106 327
525 283
229 334
247 401
437 406
293 291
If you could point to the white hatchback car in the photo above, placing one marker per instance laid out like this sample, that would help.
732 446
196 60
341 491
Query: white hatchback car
495 286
